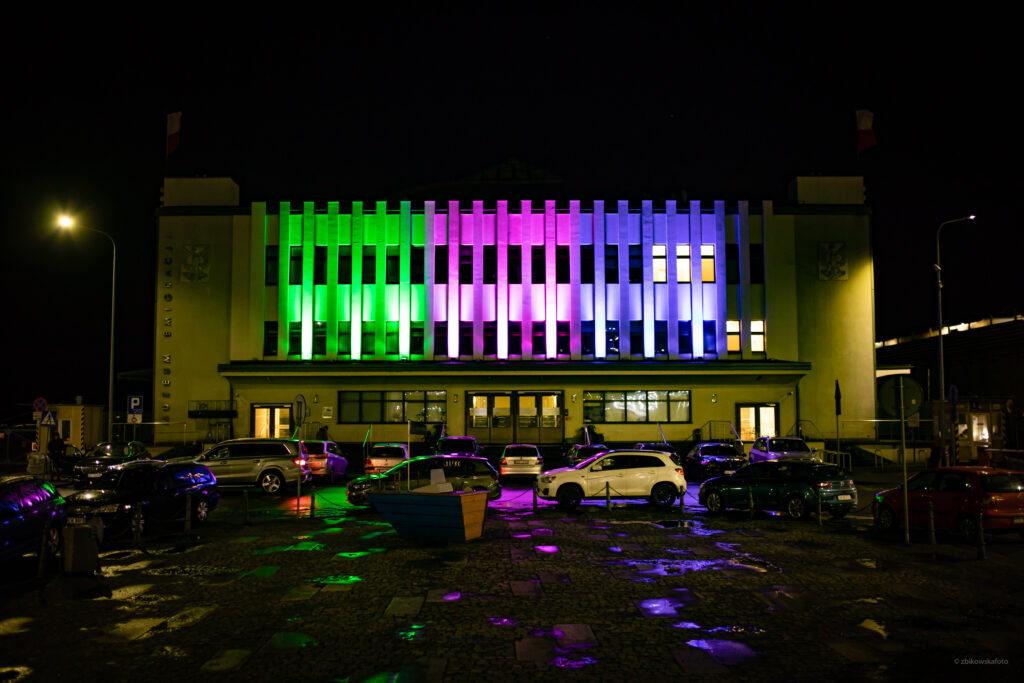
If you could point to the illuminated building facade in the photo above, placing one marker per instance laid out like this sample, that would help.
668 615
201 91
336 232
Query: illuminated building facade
513 321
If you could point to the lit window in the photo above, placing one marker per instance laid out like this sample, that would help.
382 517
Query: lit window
707 263
757 336
732 335
682 263
660 266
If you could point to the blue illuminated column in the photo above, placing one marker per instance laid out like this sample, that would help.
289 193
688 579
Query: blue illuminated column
625 314
501 237
550 280
721 302
454 291
672 277
575 330
600 288
647 254
743 244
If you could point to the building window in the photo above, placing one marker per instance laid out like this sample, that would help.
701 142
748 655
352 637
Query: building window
295 339
490 264
732 336
319 265
345 265
612 339
368 340
416 339
562 264
416 265
466 264
636 263
587 337
295 267
537 265
757 336
345 339
682 263
539 346
515 264
685 336
369 265
611 264
587 264
270 276
640 406
397 406
392 265
465 338
710 338
757 264
562 346
391 337
515 338
441 265
441 339
490 338
270 338
707 263
660 263
319 338
636 337
660 337
732 264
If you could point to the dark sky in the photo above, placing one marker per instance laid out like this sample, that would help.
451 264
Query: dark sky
619 104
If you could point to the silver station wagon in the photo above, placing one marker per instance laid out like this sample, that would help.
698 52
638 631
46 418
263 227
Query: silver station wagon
274 465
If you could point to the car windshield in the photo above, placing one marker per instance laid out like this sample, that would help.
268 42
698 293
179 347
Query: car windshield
452 445
387 452
1011 482
521 452
790 445
110 450
588 462
315 447
718 449
129 480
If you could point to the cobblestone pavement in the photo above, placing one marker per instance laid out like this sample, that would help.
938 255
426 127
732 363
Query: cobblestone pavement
614 594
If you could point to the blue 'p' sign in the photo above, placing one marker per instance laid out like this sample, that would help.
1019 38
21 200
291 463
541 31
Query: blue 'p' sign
134 404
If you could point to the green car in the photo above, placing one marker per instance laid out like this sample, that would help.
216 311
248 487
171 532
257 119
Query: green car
791 486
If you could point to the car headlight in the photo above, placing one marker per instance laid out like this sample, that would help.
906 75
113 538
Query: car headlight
546 479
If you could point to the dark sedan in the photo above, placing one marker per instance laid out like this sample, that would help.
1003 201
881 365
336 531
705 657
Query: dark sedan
792 486
464 473
713 459
125 499
93 464
31 517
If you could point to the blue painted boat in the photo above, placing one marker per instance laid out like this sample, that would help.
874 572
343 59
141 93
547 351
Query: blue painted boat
457 516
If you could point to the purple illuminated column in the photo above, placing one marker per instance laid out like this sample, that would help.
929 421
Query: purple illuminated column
625 314
600 289
743 243
527 280
454 291
501 237
575 343
672 277
478 280
696 283
721 302
428 280
550 280
646 253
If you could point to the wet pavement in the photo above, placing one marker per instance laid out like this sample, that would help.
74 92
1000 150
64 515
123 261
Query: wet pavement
624 593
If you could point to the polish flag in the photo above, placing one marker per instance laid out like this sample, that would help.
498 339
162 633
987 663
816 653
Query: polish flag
173 131
865 134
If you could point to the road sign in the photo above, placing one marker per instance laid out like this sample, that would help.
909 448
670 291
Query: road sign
39 405
135 405
134 419
49 418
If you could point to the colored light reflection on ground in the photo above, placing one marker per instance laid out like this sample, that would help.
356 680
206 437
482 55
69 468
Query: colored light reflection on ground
572 662
290 640
304 545
546 548
522 535
412 632
725 651
362 553
502 621
660 607
375 534
336 579
260 572
451 597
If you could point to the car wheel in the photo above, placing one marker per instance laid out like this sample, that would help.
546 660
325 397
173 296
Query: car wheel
663 495
271 482
714 503
569 496
201 511
886 519
838 514
796 507
138 525
51 540
967 528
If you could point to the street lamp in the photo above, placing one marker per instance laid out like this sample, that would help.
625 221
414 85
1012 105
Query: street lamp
67 223
942 364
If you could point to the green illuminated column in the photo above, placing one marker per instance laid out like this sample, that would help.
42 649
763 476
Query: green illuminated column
404 298
331 291
284 251
356 308
380 298
308 250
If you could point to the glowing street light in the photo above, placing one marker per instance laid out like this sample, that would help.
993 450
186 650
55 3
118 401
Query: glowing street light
942 364
66 222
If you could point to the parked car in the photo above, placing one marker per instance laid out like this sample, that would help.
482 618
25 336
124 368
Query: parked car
579 452
32 516
777 447
655 446
326 460
713 459
127 498
383 456
274 465
792 486
627 474
958 495
103 456
464 473
457 445
521 459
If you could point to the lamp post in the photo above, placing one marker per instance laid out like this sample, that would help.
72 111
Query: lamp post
66 223
942 363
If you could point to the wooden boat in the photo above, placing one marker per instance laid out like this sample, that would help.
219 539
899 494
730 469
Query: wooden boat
454 516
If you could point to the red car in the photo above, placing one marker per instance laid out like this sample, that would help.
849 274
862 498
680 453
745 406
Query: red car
958 495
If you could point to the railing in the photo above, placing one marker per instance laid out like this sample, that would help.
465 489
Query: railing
838 458
717 430
213 408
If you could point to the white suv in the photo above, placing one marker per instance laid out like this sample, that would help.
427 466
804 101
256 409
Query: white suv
618 474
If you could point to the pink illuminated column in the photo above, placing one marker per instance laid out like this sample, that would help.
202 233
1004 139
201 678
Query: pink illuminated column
454 291
527 279
575 332
478 280
600 289
428 280
501 295
550 280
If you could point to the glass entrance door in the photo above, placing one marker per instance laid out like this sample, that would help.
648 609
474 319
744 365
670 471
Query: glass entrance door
490 418
271 421
756 420
539 419
515 417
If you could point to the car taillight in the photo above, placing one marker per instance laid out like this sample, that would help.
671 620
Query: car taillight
301 462
825 484
679 471
989 501
503 460
848 482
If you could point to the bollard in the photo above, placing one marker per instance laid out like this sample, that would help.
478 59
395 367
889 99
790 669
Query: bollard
312 502
245 505
188 513
298 497
982 553
607 496
682 492
819 508
534 498
750 492
931 523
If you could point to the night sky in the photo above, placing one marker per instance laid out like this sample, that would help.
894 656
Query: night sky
626 104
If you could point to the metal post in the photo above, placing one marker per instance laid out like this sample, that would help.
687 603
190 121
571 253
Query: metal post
750 492
298 497
245 505
982 551
188 513
607 496
819 507
535 498
903 443
312 502
682 493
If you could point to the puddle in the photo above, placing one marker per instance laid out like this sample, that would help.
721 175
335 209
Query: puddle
686 625
522 535
543 532
375 534
870 601
572 662
502 621
452 597
872 625
291 640
260 572
362 553
13 674
671 567
304 545
110 571
615 549
660 607
727 652
870 564
735 629
335 579
13 625
329 530
546 548
412 633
